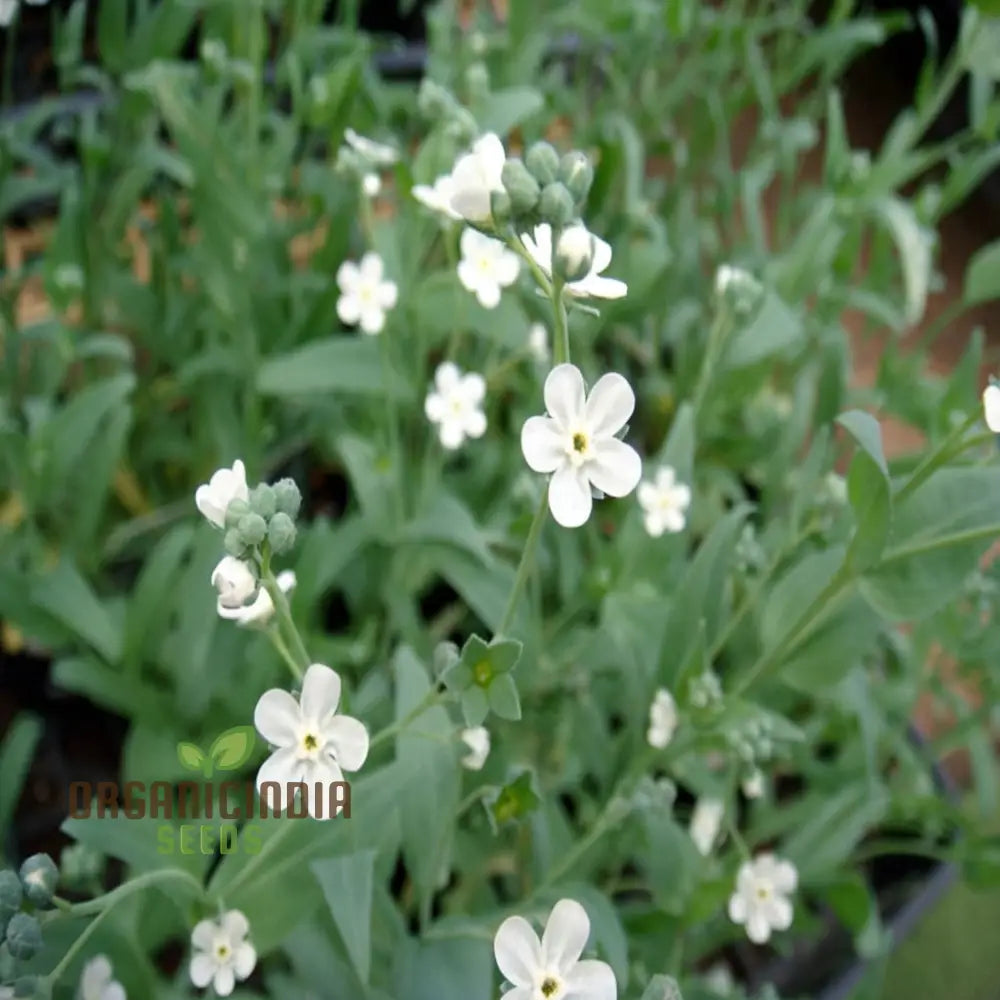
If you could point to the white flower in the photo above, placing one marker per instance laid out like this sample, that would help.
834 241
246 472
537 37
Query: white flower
551 969
538 341
486 267
313 742
8 8
365 297
222 953
664 502
741 288
719 979
477 739
235 582
96 982
575 251
576 442
212 498
455 405
371 184
662 719
593 285
262 608
753 784
761 898
376 153
437 196
706 821
476 176
991 407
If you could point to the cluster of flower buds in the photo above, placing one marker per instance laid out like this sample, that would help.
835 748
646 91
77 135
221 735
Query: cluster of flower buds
267 514
705 690
438 104
738 290
21 893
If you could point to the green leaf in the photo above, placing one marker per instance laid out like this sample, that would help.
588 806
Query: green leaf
16 752
349 365
446 520
233 748
914 244
456 968
982 276
865 429
112 34
661 988
868 491
191 756
347 887
679 447
504 109
773 330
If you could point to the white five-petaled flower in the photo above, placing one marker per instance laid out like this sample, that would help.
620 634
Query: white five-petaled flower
576 442
365 295
706 821
477 739
261 610
753 784
455 405
226 485
236 584
662 719
313 743
664 502
539 245
8 8
760 901
376 153
222 954
96 982
486 267
538 341
991 407
551 969
437 196
475 177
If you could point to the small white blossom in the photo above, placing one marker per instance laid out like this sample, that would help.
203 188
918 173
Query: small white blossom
991 407
575 251
437 196
551 969
538 342
664 502
760 901
740 287
8 8
365 295
376 153
68 277
486 267
371 184
576 442
313 743
719 979
235 582
455 404
96 982
705 689
222 954
476 176
261 610
662 719
539 245
706 821
477 739
753 784
212 498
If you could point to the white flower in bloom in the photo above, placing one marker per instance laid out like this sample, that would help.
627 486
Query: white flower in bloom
761 899
662 719
593 285
437 196
476 176
991 407
576 442
212 498
551 969
261 610
371 184
374 152
235 582
706 821
96 982
222 953
664 502
753 784
486 267
455 405
365 297
538 341
313 742
477 739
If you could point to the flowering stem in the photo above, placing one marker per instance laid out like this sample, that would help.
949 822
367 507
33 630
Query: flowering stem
428 701
941 454
471 799
560 339
284 613
713 353
279 645
523 568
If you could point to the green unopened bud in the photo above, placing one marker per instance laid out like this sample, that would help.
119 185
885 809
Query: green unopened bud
574 254
287 497
233 543
462 126
252 529
543 162
500 207
576 172
237 508
523 189
281 533
39 877
433 100
556 205
11 895
477 81
262 501
24 936
79 865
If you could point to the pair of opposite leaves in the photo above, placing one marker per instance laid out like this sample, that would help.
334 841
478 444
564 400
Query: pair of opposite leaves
229 751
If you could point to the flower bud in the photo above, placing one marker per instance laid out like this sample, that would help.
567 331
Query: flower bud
477 81
543 162
446 655
235 581
433 101
24 936
556 205
262 501
500 207
252 529
574 254
39 877
11 895
287 497
233 543
79 865
281 533
523 189
576 172
237 509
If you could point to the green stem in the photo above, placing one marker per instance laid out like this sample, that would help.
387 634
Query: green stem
283 611
560 336
279 644
982 533
940 455
524 566
428 701
470 800
713 353
543 280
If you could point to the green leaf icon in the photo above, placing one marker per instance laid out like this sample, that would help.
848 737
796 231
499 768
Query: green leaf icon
233 748
191 756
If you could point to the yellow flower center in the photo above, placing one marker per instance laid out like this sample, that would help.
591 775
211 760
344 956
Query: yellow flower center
549 986
482 671
580 442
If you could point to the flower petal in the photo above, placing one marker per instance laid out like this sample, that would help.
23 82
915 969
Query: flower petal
244 960
518 951
372 319
570 499
596 287
542 444
610 404
564 395
204 498
469 275
114 991
96 975
779 913
475 424
224 980
203 935
320 692
201 970
284 768
473 388
786 878
615 468
350 741
235 924
349 308
737 908
602 255
565 935
348 276
277 717
592 980
488 294
758 929
446 377
371 268
387 295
